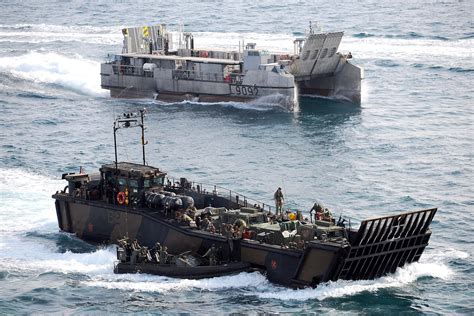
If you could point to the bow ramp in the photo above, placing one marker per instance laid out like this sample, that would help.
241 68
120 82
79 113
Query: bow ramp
385 243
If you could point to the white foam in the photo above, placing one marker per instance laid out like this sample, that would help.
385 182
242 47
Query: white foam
26 201
36 257
432 265
150 283
253 105
72 72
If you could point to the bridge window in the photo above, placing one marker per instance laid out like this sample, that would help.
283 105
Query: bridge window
324 53
122 182
333 51
315 54
158 181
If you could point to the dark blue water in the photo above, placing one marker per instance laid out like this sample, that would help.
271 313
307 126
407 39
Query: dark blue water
408 146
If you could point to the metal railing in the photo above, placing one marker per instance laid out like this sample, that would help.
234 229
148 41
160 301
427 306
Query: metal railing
131 71
206 76
216 190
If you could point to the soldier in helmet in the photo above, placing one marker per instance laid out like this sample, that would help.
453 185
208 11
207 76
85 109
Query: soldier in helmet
135 251
327 215
191 211
278 196
123 242
164 255
156 252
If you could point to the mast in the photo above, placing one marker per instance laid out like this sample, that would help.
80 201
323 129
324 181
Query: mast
126 120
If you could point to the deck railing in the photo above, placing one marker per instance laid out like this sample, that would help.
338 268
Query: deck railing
131 71
216 190
206 76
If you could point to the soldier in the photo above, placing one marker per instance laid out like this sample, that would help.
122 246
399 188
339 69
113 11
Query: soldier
278 196
164 255
327 215
135 247
212 254
156 252
123 242
319 209
144 255
191 211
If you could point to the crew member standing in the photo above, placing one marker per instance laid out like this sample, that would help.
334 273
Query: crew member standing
278 196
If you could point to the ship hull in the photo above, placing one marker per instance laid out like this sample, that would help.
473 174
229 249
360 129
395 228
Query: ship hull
165 85
345 84
97 223
380 246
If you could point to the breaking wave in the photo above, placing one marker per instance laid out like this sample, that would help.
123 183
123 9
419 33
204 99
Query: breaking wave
432 265
71 72
151 283
262 104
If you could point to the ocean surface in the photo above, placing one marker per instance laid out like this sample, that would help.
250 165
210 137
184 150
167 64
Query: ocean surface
408 146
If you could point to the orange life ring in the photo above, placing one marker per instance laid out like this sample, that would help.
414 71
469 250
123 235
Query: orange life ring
121 198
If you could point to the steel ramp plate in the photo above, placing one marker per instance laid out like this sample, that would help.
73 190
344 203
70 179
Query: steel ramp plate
385 243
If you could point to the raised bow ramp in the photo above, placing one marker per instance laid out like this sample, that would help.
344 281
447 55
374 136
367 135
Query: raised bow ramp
318 56
385 243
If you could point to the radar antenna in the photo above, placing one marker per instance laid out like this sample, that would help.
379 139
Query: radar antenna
126 120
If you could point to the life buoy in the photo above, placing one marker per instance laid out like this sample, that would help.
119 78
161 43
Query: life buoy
121 198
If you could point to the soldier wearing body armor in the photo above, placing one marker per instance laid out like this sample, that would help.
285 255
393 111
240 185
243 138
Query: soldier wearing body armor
156 252
278 196
164 255
144 255
135 247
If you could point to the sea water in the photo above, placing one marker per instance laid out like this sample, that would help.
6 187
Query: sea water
408 146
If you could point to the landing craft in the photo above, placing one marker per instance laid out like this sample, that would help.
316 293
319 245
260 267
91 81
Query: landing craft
144 204
149 67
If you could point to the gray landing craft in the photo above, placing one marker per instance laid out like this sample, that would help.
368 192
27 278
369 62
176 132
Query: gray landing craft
149 67
144 204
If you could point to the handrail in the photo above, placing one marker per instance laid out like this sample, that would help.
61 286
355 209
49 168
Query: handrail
130 70
232 196
207 76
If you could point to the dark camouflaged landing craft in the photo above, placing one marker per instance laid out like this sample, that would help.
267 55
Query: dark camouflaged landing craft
143 204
